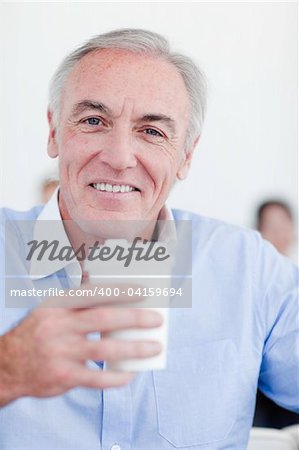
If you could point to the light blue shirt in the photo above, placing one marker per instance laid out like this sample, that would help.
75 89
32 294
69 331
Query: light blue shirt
241 331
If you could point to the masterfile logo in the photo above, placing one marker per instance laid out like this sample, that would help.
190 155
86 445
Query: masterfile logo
145 251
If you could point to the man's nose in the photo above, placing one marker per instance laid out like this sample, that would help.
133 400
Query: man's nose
118 151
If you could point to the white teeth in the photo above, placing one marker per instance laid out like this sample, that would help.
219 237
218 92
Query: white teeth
113 188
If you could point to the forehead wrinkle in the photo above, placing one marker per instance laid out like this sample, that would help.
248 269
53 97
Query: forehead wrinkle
127 107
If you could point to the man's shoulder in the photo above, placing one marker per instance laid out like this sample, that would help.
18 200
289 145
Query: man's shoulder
235 249
8 215
204 224
12 214
218 239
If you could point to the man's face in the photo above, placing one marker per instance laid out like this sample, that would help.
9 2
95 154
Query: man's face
121 144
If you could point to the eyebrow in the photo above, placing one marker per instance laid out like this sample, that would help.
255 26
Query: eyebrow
84 105
159 118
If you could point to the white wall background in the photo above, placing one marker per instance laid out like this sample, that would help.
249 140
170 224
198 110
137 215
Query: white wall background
249 53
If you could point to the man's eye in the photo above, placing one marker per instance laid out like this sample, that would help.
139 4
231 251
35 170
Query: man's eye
152 132
93 121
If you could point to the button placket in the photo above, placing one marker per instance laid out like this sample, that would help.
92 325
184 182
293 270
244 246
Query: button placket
117 419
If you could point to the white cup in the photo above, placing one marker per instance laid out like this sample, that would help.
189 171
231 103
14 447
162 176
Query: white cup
96 269
159 334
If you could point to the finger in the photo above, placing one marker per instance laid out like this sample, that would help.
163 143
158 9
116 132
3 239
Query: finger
102 379
111 350
109 319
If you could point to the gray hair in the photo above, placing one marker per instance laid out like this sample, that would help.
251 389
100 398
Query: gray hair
142 42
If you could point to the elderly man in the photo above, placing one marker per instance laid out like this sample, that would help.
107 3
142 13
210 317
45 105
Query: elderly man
125 115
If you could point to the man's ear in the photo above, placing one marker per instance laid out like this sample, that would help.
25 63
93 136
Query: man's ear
52 141
186 161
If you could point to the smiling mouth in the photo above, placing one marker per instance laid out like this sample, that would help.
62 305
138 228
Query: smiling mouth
115 188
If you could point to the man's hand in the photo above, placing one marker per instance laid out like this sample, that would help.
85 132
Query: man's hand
46 354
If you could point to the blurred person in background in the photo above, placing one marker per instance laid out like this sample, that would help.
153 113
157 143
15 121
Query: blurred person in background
48 187
275 221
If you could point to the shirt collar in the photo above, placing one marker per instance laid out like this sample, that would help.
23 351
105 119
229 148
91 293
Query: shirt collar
51 212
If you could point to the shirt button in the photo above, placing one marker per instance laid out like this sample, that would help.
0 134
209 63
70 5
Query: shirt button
115 447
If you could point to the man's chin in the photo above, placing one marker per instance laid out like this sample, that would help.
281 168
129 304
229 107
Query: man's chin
116 225
108 224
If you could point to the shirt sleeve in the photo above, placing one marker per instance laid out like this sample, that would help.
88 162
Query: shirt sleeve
279 309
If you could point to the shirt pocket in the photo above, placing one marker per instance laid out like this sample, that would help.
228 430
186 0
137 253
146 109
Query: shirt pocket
195 396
